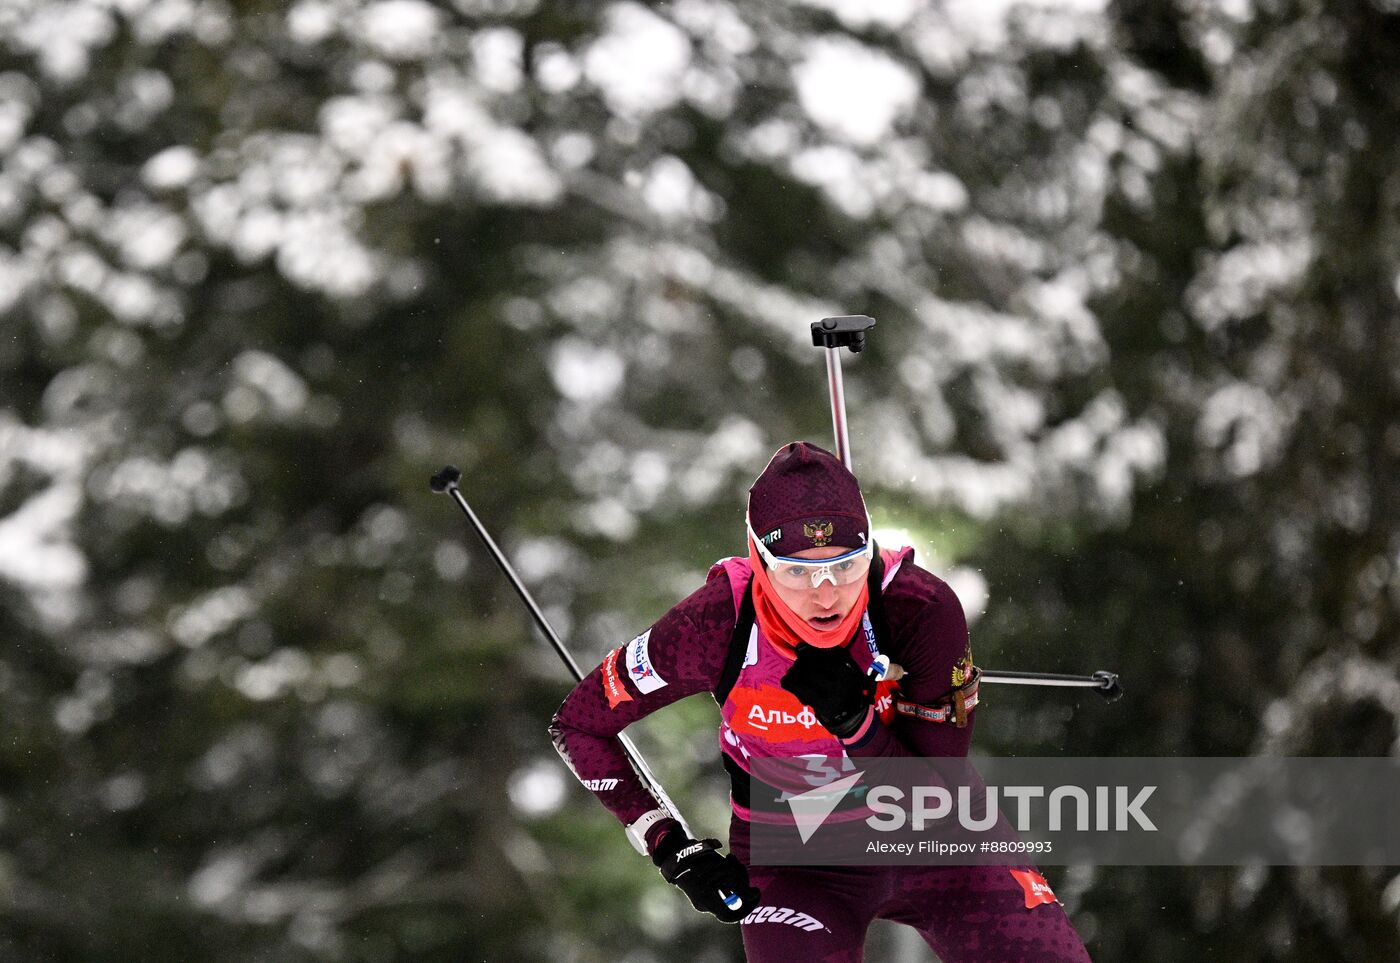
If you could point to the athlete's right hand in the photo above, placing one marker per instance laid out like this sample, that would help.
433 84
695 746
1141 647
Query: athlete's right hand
706 877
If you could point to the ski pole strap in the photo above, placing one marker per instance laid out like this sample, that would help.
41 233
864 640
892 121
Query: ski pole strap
637 830
955 709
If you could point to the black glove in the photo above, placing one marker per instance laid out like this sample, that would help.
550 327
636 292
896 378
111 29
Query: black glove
705 876
831 683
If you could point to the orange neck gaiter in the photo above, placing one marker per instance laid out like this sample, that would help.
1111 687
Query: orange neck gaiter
785 628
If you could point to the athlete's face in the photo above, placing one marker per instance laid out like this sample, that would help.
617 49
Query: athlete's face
826 604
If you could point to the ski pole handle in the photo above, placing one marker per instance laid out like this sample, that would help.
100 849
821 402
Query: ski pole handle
833 334
879 668
882 669
1103 682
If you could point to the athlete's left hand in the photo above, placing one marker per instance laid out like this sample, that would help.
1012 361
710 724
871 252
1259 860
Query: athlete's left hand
698 870
831 683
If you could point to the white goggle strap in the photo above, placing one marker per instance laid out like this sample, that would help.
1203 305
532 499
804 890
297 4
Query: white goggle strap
763 552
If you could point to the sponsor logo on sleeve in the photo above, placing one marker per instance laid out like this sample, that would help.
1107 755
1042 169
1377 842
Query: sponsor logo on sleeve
612 682
639 668
1037 890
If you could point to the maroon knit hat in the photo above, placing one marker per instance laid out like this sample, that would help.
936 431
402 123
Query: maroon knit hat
806 498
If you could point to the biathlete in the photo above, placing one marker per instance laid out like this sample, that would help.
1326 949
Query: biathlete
797 687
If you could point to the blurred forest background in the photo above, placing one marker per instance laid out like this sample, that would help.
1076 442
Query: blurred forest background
264 267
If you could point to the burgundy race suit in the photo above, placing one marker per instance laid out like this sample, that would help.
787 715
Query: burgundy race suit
968 914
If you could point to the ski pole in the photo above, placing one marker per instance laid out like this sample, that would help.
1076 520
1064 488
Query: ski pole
833 334
1103 682
445 481
848 331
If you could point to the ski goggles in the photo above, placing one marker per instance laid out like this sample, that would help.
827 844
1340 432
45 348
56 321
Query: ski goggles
804 573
